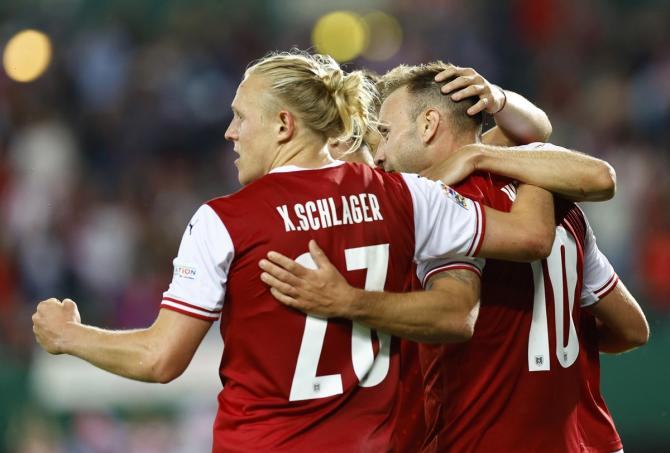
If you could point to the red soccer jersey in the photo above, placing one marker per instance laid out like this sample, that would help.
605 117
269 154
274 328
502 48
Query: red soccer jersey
528 380
410 428
302 383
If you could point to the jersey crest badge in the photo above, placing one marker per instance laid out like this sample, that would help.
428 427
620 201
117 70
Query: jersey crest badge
455 196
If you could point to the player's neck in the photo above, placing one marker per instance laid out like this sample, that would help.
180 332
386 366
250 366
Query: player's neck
359 156
302 153
452 143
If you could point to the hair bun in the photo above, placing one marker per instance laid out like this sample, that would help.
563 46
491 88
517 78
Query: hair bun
333 79
329 101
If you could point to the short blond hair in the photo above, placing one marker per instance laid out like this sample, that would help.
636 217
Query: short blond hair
329 101
420 83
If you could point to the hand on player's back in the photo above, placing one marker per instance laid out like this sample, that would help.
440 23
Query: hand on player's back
322 292
470 83
51 319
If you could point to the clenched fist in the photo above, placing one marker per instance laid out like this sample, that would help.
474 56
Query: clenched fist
51 321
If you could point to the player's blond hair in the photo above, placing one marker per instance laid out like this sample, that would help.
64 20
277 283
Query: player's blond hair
328 100
420 82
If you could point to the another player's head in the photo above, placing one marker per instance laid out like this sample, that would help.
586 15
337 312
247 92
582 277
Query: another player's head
418 123
365 152
293 102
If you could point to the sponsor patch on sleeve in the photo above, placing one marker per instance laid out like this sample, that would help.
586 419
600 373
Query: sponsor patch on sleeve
456 197
187 272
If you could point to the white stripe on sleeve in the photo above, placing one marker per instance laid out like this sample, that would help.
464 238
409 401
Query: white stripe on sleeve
599 275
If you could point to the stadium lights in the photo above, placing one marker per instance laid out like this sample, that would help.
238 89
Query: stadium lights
385 36
346 35
27 55
341 34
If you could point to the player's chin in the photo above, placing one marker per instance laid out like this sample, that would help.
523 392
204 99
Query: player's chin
241 175
244 181
245 176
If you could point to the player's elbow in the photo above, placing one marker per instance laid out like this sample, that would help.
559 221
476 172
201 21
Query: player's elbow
464 333
544 129
630 338
167 377
458 327
600 184
539 131
164 365
638 336
547 130
547 243
605 182
447 330
165 371
452 334
537 244
642 338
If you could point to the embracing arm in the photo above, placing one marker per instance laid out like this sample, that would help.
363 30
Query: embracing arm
518 122
575 176
621 323
526 233
159 353
445 312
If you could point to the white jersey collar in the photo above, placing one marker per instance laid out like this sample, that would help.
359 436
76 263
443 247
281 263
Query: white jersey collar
290 168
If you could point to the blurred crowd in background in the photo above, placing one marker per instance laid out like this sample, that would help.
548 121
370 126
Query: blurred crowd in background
104 158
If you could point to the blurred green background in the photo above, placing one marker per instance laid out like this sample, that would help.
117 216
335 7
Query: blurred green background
110 144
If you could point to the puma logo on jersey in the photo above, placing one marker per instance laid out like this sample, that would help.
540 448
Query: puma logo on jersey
324 213
190 227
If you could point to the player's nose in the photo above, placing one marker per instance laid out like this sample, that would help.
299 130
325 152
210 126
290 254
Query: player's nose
380 157
231 132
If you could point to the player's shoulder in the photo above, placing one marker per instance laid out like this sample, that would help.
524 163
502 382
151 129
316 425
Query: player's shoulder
492 190
570 216
290 182
237 202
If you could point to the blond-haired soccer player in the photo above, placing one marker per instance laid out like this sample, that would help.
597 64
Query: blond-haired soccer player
295 382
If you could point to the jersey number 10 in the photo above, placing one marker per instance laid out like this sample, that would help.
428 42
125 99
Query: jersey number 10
369 369
556 274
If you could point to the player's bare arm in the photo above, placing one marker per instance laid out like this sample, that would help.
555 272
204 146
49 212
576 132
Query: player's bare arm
445 312
526 233
518 121
571 174
575 176
621 323
159 353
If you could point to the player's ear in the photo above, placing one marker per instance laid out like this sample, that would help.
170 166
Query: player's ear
286 126
429 121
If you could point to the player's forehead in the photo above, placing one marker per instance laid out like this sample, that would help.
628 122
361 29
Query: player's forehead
394 107
249 91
